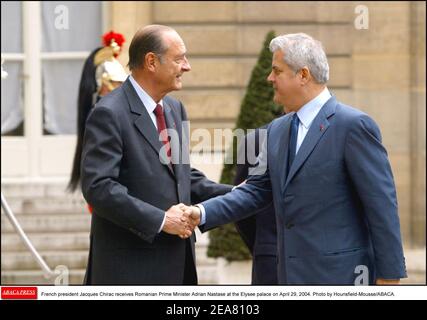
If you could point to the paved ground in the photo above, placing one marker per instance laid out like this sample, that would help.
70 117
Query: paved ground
416 266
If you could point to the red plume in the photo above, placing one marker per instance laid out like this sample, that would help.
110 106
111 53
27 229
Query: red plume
117 37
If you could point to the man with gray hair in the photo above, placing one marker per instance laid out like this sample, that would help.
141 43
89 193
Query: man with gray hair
328 176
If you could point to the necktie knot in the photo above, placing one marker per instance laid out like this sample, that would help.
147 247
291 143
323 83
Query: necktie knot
295 121
158 111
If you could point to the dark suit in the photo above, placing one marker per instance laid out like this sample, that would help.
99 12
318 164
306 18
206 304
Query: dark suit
130 189
258 231
336 210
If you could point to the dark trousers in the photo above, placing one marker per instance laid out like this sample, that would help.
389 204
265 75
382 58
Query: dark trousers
190 275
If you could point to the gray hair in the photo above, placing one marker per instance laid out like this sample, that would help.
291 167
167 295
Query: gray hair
301 50
147 39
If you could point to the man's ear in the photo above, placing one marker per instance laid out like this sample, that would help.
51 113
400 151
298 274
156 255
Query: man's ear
305 75
150 61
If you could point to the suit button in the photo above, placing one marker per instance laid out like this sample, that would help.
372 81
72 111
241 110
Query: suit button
289 225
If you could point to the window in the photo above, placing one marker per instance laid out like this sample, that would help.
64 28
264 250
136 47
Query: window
69 32
44 45
12 88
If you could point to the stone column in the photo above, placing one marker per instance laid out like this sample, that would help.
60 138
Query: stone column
126 18
381 83
418 123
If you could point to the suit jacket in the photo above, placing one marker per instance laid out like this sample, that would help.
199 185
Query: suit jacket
336 210
130 189
259 230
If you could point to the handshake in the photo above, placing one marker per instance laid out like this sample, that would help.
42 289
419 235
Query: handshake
181 220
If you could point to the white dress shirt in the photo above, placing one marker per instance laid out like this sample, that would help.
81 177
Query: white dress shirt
147 101
307 113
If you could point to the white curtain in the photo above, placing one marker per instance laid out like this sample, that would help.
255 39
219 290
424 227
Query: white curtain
60 90
61 77
11 88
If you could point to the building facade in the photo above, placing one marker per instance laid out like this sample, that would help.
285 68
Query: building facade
376 53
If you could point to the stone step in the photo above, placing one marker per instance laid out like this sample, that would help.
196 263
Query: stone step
25 261
47 206
48 223
206 275
50 241
25 190
67 241
36 277
60 241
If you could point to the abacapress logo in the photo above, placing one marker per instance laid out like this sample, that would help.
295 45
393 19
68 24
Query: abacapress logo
19 293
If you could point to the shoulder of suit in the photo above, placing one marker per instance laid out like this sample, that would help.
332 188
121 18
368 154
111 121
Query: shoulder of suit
176 106
278 122
172 101
114 100
351 118
349 113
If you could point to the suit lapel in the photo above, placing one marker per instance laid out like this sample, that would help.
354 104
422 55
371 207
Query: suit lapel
283 150
317 129
143 123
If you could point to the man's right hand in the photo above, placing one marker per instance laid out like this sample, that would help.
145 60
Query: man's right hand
194 215
177 221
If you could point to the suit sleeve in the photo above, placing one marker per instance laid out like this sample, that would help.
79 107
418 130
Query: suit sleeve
100 169
201 187
245 227
368 166
243 201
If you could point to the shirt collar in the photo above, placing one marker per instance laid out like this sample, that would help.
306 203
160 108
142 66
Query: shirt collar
147 101
310 110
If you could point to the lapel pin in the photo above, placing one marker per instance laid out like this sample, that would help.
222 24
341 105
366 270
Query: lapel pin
322 127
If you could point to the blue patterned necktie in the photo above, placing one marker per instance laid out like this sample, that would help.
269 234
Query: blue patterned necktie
293 140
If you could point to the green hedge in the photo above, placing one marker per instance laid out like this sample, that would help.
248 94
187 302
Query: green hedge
256 110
